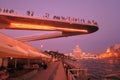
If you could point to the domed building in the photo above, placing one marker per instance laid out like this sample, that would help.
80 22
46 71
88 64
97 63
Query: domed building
77 52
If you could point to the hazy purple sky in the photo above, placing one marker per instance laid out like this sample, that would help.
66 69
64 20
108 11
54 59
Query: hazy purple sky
105 12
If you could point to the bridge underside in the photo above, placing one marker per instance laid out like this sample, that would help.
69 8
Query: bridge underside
32 23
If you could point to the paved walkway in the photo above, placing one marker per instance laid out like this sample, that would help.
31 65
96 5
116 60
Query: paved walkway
61 74
55 71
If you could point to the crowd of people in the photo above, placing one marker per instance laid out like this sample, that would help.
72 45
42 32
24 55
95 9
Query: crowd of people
74 20
61 18
6 10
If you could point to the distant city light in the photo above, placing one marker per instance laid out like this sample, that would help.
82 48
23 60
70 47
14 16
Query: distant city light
41 46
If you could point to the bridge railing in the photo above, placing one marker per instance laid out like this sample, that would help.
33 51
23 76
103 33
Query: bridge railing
46 16
77 74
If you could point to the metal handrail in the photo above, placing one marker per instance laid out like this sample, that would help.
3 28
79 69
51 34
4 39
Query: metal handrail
77 74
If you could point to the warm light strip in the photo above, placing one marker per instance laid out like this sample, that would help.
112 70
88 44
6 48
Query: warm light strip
43 27
73 30
29 26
